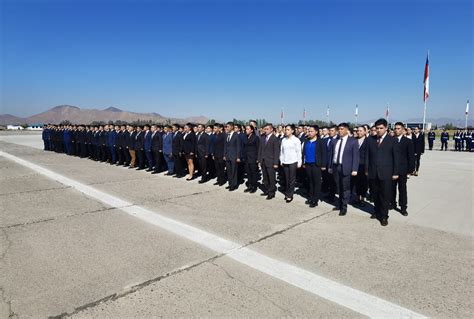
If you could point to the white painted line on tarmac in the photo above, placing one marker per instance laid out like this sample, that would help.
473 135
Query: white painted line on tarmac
345 296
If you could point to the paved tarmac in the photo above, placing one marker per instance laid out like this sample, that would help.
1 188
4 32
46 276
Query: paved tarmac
89 240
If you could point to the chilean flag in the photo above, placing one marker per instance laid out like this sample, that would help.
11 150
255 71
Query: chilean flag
426 91
467 108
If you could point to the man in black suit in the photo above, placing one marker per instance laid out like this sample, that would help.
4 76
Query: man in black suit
418 139
176 149
360 184
406 166
381 167
251 146
329 184
344 164
156 148
202 152
219 154
232 152
269 158
140 147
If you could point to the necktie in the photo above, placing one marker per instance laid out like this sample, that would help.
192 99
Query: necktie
266 139
199 136
379 140
339 153
228 137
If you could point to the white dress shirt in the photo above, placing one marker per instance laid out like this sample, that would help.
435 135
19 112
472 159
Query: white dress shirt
343 140
290 151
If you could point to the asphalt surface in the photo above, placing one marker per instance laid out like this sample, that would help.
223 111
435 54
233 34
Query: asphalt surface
65 252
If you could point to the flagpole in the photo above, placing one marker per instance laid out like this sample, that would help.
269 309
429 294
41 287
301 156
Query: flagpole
426 82
467 114
327 115
356 114
424 117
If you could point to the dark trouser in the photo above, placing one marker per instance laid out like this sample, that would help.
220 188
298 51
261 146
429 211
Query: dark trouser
178 165
402 192
360 184
457 145
149 158
157 160
211 167
169 163
140 158
252 170
46 145
444 145
430 144
231 167
220 170
68 146
314 181
343 183
126 155
240 171
417 162
113 156
290 178
120 157
329 183
269 178
83 150
203 167
382 194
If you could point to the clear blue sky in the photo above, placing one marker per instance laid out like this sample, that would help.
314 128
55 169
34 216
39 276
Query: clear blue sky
242 59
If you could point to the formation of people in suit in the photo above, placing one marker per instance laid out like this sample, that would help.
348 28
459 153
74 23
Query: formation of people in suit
365 164
463 140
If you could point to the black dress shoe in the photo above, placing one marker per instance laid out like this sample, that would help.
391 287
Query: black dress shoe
270 197
248 189
289 200
202 181
384 222
149 170
264 194
404 212
140 169
154 172
343 212
373 216
336 208
232 189
308 202
217 183
313 204
253 190
227 187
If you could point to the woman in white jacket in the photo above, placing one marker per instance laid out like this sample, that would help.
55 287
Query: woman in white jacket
290 159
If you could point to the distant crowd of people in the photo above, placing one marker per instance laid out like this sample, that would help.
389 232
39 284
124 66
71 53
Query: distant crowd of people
359 164
463 140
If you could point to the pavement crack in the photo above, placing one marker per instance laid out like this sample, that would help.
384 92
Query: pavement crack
45 220
8 246
186 195
35 190
135 288
258 292
8 304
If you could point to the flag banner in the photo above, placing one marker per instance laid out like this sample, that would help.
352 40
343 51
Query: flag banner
426 81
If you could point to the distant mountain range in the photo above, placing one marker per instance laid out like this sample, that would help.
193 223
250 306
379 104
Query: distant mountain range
77 115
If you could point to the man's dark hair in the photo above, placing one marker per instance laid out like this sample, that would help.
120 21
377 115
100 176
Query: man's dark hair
343 124
231 124
210 126
333 126
315 127
399 124
381 122
268 124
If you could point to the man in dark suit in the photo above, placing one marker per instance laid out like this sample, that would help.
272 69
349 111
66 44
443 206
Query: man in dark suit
329 184
251 146
219 154
431 139
210 159
381 167
418 139
156 148
360 184
202 152
176 148
406 166
269 158
444 140
232 153
344 164
140 147
147 148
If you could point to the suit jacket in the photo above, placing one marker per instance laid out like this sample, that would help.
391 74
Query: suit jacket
350 156
168 143
251 146
419 143
147 140
156 141
212 143
202 144
381 161
139 141
130 140
406 156
232 147
269 152
320 150
189 143
219 145
177 144
329 141
362 152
